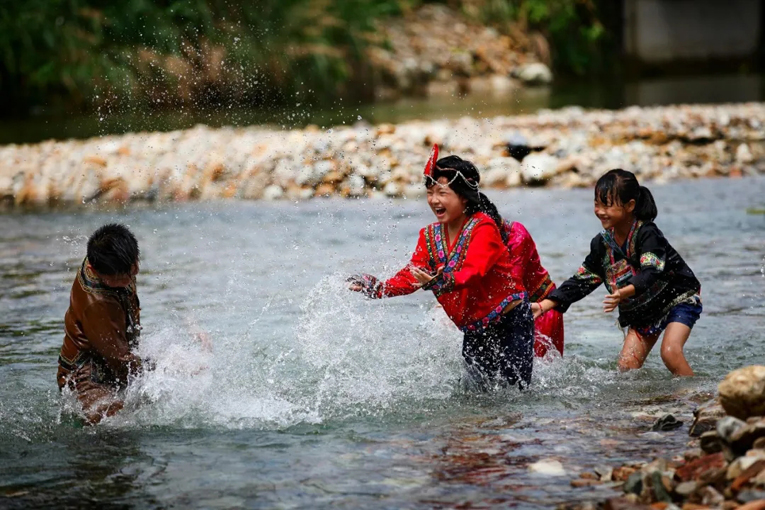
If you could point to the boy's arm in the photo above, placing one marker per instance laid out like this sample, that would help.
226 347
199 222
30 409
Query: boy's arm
104 326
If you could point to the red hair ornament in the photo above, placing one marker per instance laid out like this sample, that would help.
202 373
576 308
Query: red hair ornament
431 164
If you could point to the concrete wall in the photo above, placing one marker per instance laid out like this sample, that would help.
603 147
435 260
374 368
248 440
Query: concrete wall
696 89
661 31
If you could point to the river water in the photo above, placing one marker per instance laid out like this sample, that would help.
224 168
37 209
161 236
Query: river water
606 92
313 396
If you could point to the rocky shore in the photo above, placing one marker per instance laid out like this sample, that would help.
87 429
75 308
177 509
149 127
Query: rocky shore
725 469
571 147
436 51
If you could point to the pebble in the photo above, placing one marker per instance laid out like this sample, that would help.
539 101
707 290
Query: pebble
570 147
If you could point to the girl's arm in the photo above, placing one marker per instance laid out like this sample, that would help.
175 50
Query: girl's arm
484 250
587 279
400 284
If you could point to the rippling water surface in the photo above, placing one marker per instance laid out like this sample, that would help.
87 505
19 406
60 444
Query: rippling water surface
314 397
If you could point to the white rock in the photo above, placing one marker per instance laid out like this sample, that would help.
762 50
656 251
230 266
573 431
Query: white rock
539 167
355 185
743 155
548 468
501 84
534 74
742 392
273 192
321 168
494 176
514 178
304 175
392 189
503 171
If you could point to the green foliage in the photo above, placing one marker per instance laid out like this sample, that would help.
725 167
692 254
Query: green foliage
183 51
178 53
573 28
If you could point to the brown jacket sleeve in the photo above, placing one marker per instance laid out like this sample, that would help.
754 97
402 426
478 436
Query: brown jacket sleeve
104 326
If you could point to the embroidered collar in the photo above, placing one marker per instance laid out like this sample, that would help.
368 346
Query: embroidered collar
91 283
608 237
457 254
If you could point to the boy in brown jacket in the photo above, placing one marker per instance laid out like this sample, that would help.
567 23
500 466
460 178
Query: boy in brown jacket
102 324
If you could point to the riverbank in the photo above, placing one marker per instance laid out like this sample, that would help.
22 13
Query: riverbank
724 469
571 147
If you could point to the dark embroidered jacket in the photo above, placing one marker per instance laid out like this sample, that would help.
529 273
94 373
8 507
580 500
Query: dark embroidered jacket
661 277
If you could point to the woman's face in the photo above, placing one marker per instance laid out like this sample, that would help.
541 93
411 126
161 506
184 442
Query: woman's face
444 202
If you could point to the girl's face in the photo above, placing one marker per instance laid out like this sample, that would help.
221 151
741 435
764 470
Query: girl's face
444 202
615 213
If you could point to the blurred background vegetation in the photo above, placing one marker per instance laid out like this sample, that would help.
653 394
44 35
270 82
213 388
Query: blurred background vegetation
94 55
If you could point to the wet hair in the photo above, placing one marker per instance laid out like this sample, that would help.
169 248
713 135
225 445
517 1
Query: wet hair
113 250
620 186
476 201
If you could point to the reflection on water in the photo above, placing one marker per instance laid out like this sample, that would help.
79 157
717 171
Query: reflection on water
315 397
590 93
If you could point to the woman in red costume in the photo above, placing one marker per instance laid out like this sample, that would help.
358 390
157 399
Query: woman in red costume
536 280
464 260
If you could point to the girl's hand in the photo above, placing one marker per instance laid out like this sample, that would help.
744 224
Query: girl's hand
423 277
541 308
612 301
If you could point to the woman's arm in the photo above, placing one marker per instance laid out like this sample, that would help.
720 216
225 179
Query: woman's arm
400 284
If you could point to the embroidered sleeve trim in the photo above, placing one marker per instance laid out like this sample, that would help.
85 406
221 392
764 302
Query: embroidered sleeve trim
649 259
586 275
542 290
371 287
440 285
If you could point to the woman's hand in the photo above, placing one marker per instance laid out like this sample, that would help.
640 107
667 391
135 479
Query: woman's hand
536 310
612 301
424 277
355 283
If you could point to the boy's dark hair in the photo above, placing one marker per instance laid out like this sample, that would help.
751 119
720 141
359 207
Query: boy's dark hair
621 186
112 250
477 201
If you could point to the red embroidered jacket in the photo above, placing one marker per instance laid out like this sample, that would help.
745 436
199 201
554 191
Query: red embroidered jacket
478 281
524 255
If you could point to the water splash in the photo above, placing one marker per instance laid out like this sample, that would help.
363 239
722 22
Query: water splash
346 357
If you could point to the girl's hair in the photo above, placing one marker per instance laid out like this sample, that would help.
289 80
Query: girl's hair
476 201
620 186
